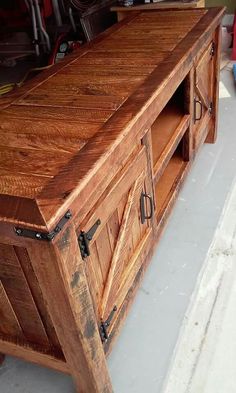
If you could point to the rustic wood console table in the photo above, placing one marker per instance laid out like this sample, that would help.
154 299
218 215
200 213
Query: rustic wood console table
92 155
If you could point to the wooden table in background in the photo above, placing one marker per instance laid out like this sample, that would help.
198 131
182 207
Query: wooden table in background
122 11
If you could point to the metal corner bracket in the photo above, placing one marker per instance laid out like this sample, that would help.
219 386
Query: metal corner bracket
44 235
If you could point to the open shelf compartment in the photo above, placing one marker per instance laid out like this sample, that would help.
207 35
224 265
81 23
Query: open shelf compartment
168 130
171 150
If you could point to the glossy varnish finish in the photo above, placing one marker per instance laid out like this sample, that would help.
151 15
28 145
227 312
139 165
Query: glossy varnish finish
108 134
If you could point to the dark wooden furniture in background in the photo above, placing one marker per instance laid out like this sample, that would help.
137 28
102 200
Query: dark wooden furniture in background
92 155
97 18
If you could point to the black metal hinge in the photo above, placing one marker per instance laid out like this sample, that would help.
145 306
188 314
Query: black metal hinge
213 49
85 238
44 235
104 326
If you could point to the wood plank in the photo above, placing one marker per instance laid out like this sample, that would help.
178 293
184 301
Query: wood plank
94 277
9 324
121 59
108 70
133 267
54 142
74 320
104 251
22 302
89 98
144 259
21 185
167 182
18 210
164 144
52 113
29 162
26 352
36 292
189 108
44 131
117 262
113 229
132 47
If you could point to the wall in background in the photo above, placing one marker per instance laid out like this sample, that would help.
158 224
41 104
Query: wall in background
230 4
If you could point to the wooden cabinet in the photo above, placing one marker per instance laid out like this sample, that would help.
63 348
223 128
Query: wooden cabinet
93 153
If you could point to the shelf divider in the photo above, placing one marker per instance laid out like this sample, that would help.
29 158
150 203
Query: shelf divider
166 150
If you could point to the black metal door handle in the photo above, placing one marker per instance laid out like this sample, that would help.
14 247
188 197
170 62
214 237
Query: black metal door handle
195 110
144 215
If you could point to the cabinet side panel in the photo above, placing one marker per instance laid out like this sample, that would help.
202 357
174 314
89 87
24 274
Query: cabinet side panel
23 313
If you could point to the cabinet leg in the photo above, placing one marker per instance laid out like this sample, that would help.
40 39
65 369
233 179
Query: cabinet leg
59 269
212 133
2 358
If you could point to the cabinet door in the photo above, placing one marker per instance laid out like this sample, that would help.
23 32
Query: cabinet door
121 238
203 93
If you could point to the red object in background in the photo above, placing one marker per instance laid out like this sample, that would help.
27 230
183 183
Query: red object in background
16 17
47 8
19 16
63 47
234 39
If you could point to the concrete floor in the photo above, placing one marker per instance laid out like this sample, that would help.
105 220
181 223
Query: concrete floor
142 354
204 359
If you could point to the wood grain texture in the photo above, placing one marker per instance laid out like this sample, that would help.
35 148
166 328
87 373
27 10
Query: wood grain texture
117 262
24 315
110 135
95 103
9 322
119 235
33 354
60 270
131 114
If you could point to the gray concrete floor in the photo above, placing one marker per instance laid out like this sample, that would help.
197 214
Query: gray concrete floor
140 359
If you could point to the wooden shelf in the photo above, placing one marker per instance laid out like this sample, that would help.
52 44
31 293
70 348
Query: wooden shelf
167 132
168 182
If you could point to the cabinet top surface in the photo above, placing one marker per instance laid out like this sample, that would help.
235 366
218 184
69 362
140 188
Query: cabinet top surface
61 126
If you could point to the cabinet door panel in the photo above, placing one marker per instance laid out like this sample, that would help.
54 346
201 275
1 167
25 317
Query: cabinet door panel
119 240
203 93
